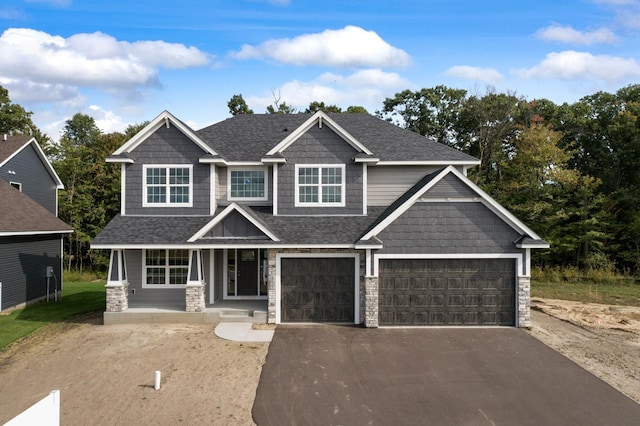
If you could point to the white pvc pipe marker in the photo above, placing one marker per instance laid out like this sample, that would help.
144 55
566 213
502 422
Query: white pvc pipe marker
157 384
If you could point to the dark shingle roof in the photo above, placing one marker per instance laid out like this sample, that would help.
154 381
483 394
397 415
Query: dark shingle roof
291 230
248 137
19 214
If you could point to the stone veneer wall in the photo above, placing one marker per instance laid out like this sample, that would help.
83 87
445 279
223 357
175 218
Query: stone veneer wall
524 301
117 297
194 294
371 302
271 291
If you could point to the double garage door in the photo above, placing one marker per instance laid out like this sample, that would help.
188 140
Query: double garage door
447 292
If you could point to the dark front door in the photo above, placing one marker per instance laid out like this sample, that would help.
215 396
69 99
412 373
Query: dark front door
247 272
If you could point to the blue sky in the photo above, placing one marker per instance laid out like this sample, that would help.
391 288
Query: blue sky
124 62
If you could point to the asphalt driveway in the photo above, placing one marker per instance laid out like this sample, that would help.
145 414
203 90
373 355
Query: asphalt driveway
333 375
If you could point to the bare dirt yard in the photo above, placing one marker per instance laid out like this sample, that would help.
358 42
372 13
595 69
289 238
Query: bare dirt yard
106 374
602 339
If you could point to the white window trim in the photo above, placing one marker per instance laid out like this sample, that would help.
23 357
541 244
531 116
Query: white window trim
16 185
343 185
166 167
166 267
265 170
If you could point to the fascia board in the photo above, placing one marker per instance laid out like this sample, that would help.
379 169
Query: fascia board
154 125
19 233
43 158
429 163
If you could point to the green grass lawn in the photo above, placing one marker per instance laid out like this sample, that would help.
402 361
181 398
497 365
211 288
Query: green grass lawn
622 292
77 298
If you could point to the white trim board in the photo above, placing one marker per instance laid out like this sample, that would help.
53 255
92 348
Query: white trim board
230 208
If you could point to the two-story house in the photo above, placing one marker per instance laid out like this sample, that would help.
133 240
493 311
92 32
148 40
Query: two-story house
322 217
31 235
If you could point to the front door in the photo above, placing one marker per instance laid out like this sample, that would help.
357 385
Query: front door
247 272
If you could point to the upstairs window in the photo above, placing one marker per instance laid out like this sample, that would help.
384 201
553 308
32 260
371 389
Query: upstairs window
167 186
320 185
247 184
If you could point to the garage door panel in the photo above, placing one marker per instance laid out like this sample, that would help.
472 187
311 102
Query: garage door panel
317 289
447 292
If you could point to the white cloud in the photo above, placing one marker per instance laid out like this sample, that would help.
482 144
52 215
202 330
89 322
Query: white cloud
350 47
367 88
567 34
106 120
52 2
570 64
34 58
483 75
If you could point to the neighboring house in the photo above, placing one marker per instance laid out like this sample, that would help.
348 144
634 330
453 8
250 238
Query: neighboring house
325 217
30 232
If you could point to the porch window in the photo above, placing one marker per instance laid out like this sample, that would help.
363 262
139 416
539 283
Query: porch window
320 185
166 267
247 184
167 186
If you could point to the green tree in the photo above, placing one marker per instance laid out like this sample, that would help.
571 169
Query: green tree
356 109
237 105
320 106
429 112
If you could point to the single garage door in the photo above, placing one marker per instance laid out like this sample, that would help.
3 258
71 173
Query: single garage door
317 289
447 292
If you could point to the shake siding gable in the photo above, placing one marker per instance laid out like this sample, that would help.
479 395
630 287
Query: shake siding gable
167 146
320 146
448 227
36 181
450 187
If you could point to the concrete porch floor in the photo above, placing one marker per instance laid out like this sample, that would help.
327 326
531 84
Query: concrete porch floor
252 311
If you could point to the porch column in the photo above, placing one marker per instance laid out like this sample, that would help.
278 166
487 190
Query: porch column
371 301
117 284
194 293
524 301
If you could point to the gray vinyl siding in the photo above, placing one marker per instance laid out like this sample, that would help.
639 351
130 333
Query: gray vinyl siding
149 297
448 227
320 146
222 195
32 174
386 183
23 262
167 146
450 187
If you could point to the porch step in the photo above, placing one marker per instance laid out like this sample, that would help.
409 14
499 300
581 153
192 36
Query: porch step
242 315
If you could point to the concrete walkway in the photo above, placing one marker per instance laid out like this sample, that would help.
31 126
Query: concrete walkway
242 332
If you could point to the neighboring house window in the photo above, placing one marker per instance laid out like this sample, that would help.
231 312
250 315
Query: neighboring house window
16 185
320 185
247 184
167 186
166 267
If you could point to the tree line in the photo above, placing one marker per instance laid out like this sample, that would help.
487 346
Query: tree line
569 171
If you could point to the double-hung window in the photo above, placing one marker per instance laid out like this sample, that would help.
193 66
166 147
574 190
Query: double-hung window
320 185
247 184
167 186
166 267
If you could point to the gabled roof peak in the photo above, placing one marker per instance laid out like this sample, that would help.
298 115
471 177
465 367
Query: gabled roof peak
320 118
165 118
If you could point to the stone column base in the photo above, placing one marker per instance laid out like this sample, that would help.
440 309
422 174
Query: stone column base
117 297
524 302
371 302
194 295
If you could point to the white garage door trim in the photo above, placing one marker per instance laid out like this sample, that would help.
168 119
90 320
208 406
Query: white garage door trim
356 279
522 264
